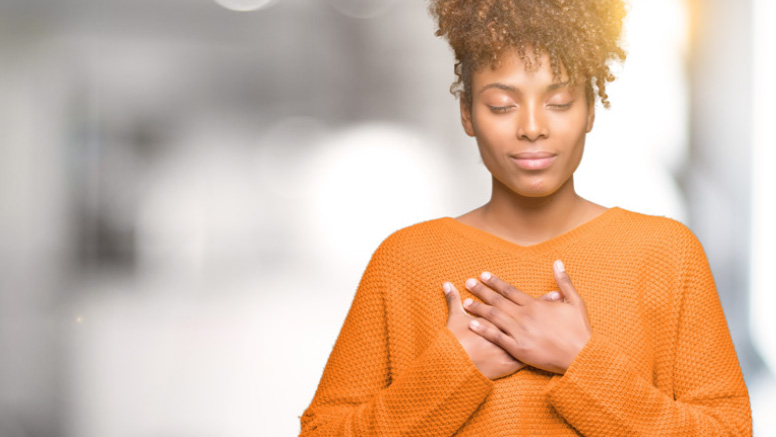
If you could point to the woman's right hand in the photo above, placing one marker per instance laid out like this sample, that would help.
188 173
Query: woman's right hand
490 359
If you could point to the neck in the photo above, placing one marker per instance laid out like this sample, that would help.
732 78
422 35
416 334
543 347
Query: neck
531 220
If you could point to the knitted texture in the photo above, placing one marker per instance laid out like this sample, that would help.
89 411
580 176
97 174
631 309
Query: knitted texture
660 361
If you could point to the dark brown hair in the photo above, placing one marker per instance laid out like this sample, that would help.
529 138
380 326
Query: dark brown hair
582 36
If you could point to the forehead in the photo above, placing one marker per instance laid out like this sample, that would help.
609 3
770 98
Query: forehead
511 69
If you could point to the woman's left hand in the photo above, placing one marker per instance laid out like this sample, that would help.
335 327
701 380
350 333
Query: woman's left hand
544 334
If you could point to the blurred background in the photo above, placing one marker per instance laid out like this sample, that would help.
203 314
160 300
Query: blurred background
191 189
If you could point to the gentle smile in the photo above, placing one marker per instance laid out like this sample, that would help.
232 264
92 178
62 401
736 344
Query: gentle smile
533 160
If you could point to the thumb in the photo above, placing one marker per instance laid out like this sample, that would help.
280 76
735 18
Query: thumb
564 282
454 305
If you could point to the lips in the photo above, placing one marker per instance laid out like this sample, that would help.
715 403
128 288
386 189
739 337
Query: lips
533 160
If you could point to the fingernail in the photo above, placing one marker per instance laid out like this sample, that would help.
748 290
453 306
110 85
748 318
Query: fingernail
474 324
470 283
447 287
554 295
485 276
467 302
559 265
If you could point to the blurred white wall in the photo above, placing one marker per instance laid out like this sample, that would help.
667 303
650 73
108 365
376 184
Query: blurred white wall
189 193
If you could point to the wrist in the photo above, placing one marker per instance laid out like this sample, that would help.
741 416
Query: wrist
574 350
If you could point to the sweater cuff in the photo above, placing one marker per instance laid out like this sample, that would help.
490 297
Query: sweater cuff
442 388
446 364
576 394
459 358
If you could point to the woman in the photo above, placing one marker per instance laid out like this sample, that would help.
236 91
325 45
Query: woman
583 320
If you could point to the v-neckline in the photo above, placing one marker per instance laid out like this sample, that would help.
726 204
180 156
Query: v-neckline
493 240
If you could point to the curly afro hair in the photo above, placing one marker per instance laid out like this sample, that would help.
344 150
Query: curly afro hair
582 36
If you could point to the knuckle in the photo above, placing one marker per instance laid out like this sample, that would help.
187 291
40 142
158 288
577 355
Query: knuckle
498 337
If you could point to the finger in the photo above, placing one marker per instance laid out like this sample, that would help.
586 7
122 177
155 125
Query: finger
453 300
486 294
493 334
505 289
564 282
553 296
489 312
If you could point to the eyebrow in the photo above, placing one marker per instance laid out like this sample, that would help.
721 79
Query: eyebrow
555 86
510 88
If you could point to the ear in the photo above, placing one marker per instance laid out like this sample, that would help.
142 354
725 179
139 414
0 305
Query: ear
466 116
590 117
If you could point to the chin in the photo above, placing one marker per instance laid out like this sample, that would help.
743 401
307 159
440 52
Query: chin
538 188
534 192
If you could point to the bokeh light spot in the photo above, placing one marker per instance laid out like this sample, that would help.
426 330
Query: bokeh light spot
245 5
367 182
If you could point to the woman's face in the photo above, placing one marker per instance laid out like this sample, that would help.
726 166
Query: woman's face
530 129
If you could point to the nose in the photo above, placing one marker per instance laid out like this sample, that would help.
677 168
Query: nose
531 124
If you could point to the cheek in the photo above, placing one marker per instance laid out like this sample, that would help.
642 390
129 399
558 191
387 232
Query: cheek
493 144
486 151
570 130
491 135
575 155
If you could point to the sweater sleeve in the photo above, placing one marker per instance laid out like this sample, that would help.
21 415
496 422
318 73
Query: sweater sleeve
359 395
601 394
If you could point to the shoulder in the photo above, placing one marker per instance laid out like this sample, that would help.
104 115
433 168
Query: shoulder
651 227
428 229
415 242
658 232
420 235
667 253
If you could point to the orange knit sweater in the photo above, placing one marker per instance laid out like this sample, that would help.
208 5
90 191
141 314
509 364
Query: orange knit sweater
660 361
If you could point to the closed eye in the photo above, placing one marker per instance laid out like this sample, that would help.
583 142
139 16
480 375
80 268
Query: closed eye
500 109
561 106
